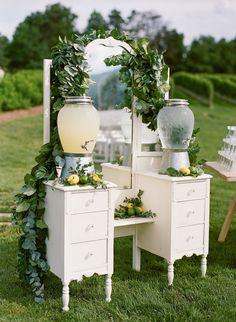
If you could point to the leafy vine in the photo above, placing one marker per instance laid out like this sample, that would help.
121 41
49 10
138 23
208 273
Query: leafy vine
145 74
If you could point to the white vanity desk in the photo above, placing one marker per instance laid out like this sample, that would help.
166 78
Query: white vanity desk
181 227
81 232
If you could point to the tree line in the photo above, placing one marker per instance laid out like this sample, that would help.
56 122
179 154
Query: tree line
35 36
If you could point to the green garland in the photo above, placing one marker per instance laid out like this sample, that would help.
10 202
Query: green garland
145 74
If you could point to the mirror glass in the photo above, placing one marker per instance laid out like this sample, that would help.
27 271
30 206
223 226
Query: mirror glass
113 146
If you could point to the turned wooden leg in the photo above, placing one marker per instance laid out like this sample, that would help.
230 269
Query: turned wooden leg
228 220
65 297
203 265
170 273
136 254
108 288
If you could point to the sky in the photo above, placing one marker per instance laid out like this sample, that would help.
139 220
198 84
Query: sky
193 18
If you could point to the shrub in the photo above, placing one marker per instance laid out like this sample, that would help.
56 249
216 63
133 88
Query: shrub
22 89
224 87
196 86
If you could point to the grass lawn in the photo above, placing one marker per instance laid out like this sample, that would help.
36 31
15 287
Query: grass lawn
19 145
143 296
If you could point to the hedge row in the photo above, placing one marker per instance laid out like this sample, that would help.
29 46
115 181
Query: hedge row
224 86
22 89
196 86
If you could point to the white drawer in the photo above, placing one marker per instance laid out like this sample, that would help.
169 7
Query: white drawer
88 201
189 212
88 255
190 191
88 226
189 238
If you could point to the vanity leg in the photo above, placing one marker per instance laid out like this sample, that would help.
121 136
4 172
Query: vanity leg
170 273
108 287
65 296
203 265
136 253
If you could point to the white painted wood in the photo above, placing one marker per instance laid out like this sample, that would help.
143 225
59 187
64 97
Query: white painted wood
170 273
65 297
189 213
181 227
188 238
203 265
136 260
132 221
108 288
81 243
47 63
90 227
88 255
82 202
190 191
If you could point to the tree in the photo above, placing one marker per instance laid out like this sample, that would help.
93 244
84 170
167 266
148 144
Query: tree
202 55
35 36
96 22
4 42
112 93
172 43
225 58
115 20
143 24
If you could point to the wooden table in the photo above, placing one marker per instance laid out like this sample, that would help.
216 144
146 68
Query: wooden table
229 177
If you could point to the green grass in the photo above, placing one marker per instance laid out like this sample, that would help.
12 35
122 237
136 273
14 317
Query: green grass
136 297
19 144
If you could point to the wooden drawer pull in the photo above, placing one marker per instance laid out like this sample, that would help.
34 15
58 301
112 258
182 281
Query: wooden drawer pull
189 238
89 227
190 192
191 212
89 254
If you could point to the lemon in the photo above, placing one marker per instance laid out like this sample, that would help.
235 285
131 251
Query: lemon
96 177
185 171
130 205
73 179
138 210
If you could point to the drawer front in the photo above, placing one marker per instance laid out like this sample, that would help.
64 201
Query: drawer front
189 238
88 255
88 201
89 226
189 212
190 191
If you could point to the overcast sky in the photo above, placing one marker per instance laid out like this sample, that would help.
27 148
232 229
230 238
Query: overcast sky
191 17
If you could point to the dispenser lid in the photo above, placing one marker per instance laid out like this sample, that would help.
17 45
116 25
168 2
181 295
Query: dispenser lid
176 101
79 99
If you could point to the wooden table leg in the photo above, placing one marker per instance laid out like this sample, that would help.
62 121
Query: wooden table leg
228 220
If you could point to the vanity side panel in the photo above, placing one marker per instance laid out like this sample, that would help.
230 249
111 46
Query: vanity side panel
155 238
54 218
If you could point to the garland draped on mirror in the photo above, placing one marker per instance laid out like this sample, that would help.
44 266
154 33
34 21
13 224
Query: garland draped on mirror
145 74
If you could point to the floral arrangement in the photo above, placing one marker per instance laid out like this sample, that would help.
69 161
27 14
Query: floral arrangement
80 176
133 207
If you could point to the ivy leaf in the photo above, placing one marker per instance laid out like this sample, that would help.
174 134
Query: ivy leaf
172 172
29 244
41 173
39 299
28 190
23 206
41 224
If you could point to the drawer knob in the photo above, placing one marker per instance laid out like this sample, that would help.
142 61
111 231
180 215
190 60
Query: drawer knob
191 212
189 238
190 192
89 227
89 254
